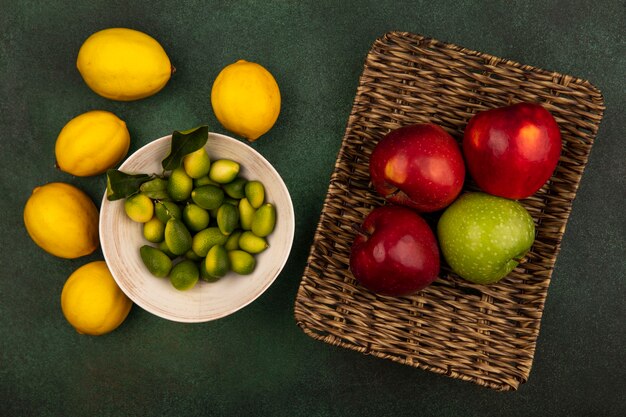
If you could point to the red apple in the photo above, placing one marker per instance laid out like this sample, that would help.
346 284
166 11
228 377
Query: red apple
419 166
396 252
512 151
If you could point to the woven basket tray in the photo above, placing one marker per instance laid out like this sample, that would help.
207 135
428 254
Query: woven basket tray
483 334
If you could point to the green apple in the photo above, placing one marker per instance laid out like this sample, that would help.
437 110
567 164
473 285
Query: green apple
483 237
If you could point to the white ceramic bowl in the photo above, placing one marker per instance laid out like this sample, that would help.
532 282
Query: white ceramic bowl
121 239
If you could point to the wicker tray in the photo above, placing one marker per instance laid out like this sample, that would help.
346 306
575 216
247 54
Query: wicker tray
482 334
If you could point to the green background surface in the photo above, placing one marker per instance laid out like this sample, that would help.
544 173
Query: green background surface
257 361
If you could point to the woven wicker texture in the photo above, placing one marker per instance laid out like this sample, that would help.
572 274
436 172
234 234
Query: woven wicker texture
482 334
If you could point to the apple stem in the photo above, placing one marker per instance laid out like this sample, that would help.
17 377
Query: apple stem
397 192
393 190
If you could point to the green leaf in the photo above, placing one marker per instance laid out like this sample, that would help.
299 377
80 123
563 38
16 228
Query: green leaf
183 143
156 189
121 185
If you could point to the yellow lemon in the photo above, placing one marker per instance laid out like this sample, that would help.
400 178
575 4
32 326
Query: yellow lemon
123 64
91 143
246 99
91 300
139 208
62 220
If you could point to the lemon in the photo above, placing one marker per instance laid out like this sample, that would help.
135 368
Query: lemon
241 262
123 64
246 99
224 171
255 193
91 143
204 180
264 220
165 210
205 239
166 250
195 217
154 230
62 220
246 214
232 201
91 300
233 240
204 275
216 262
139 208
184 275
157 262
252 243
208 197
191 255
179 185
177 237
227 218
197 163
235 188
